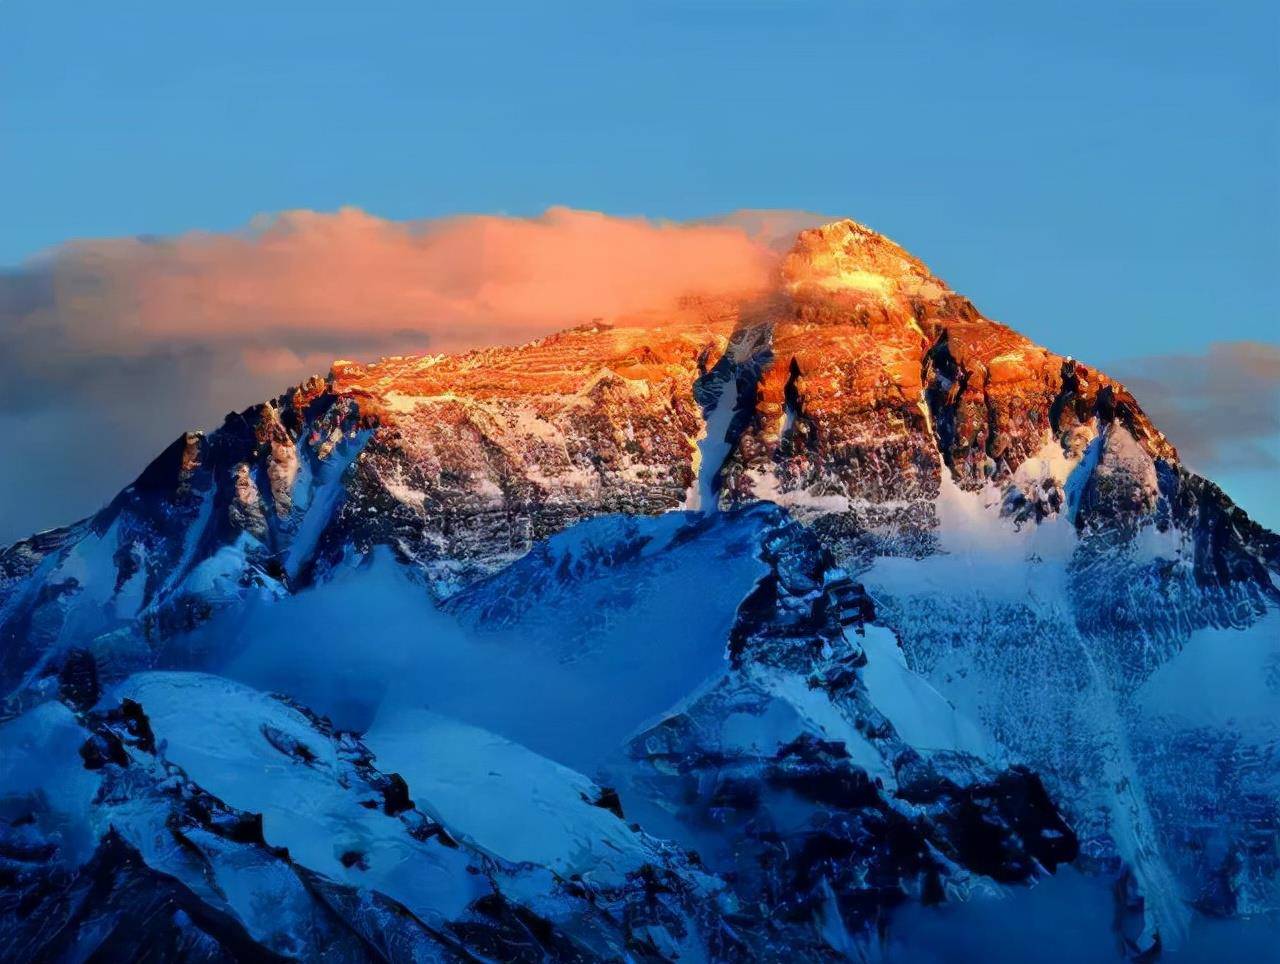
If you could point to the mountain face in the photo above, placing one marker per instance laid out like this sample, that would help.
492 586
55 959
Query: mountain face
737 630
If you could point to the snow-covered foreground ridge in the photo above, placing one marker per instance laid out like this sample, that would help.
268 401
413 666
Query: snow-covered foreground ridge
729 631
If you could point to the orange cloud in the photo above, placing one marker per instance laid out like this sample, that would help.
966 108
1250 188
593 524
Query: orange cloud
110 348
455 282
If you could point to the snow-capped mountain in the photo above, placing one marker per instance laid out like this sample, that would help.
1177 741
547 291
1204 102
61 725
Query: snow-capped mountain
739 630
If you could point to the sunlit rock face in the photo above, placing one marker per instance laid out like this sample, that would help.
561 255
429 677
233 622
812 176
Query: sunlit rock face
478 457
845 596
883 376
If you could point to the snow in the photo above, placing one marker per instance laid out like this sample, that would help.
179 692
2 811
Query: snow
217 731
217 578
129 599
394 482
91 563
1122 453
920 714
548 674
850 278
404 403
190 543
983 555
40 764
804 504
801 708
992 627
641 620
1225 679
712 449
1079 477
495 705
267 895
1049 462
326 495
504 798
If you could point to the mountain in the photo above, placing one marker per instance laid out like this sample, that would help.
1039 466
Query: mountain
747 628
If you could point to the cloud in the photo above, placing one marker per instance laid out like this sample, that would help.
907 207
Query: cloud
775 228
452 282
1220 408
109 348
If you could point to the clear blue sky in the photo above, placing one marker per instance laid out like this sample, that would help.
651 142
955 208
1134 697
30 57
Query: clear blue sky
1103 176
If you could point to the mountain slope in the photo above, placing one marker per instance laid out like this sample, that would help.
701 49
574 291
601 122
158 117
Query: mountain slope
872 600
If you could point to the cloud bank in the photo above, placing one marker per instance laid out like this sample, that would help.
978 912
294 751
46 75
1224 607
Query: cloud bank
110 348
1221 408
302 278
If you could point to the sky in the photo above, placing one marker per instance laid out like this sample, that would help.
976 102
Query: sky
1105 177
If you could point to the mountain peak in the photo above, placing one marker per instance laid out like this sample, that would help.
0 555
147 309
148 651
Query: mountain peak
848 256
920 547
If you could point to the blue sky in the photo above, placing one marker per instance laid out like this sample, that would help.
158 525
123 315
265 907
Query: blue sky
1102 176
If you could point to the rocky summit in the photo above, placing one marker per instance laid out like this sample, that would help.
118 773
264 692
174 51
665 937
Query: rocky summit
800 624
